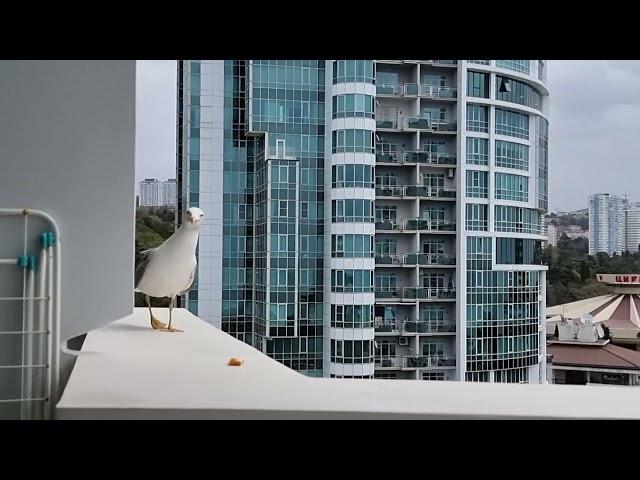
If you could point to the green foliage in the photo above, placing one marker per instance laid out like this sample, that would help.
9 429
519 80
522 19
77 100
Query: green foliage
153 226
572 271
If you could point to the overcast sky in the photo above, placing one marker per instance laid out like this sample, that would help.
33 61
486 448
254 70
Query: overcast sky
594 127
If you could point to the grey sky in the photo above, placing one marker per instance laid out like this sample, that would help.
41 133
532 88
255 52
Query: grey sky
594 122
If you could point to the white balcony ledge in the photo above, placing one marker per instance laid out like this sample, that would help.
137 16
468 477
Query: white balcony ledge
126 370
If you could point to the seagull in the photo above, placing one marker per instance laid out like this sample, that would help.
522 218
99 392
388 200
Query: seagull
169 270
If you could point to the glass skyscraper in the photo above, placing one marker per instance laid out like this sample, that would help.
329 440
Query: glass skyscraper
371 218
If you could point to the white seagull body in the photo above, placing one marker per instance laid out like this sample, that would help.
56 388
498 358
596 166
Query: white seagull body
169 270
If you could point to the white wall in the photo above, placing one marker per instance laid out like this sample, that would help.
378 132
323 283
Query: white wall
67 146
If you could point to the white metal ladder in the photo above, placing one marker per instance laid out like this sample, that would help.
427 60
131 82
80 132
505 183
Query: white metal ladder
35 342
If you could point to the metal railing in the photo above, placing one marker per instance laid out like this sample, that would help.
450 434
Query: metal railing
419 259
37 335
387 123
419 326
416 224
429 158
428 361
424 224
427 293
388 362
434 91
425 123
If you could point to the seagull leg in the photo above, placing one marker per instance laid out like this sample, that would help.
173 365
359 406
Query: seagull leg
155 323
169 328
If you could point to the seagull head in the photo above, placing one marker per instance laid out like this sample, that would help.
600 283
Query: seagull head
193 217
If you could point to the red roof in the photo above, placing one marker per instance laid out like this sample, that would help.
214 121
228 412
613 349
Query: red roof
604 356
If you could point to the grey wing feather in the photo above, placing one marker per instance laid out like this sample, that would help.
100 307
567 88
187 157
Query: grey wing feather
190 282
142 266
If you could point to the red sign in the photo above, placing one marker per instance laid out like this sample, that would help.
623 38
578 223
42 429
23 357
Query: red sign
618 279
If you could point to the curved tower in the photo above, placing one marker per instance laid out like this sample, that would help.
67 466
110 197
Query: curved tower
349 218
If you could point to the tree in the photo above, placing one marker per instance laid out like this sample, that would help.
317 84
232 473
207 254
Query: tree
585 271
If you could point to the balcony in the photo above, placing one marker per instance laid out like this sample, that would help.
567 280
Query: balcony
430 225
429 158
395 192
389 294
389 226
438 93
429 192
392 363
429 259
414 225
386 329
398 90
388 157
428 361
387 124
426 293
414 191
427 124
388 89
427 327
415 259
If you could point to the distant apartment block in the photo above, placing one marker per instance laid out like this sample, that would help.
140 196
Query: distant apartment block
169 197
552 235
154 193
614 224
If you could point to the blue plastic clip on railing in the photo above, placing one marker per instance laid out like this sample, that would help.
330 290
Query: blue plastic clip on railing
47 239
27 261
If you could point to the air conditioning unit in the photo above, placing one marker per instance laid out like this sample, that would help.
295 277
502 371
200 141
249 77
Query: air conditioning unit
403 341
451 173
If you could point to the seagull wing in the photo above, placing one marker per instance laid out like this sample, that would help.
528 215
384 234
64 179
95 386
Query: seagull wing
190 282
145 257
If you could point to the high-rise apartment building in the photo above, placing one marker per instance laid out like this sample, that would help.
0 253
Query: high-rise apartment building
371 218
150 190
630 224
169 192
154 193
607 223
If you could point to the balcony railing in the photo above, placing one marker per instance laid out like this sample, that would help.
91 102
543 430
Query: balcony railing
428 259
422 123
427 191
395 293
387 123
421 224
426 293
389 226
418 326
389 259
433 91
395 157
413 157
388 362
388 89
386 328
416 224
389 192
415 191
426 361
126 370
411 259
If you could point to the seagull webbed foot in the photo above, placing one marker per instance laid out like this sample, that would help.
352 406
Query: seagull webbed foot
157 324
